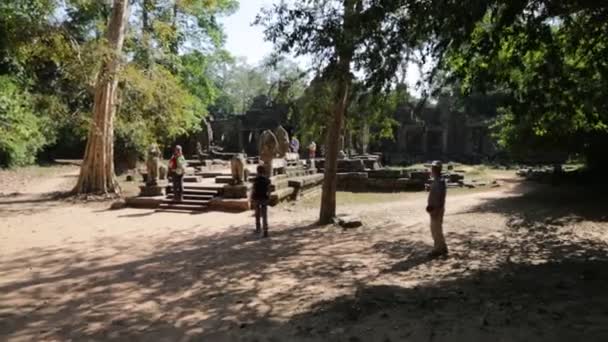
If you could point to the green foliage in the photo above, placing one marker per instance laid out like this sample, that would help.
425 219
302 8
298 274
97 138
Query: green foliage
550 67
52 50
368 110
147 114
314 110
239 83
375 111
20 129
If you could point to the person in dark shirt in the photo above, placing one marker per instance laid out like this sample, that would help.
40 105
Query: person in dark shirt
259 198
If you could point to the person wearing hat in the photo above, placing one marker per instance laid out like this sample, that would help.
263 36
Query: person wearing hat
436 209
177 168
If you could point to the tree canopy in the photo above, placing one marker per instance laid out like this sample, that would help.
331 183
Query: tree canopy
51 50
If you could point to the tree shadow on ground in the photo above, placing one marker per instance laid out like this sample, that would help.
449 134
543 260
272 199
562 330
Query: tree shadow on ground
30 204
541 203
537 284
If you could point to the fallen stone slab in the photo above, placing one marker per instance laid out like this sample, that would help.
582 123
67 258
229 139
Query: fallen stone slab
144 202
348 221
229 204
119 204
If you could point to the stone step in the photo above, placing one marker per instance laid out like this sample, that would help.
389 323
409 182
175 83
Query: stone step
186 202
194 197
182 207
280 195
306 181
223 179
197 189
192 179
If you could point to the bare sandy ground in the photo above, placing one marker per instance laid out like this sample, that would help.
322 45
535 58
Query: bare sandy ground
527 263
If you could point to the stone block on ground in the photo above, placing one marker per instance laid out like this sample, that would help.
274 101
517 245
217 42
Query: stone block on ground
152 190
119 204
223 179
280 195
385 173
469 185
351 165
454 177
423 175
229 204
348 221
144 202
352 175
236 191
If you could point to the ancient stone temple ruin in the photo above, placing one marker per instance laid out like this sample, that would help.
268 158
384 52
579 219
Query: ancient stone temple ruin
437 133
428 133
241 132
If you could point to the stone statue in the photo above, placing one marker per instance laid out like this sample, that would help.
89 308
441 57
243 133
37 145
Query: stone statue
237 165
268 148
199 151
162 172
283 140
206 136
153 165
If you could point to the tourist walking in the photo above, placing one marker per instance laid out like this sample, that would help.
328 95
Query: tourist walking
260 198
294 145
436 209
177 168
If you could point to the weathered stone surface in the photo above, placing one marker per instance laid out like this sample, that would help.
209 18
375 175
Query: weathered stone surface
281 195
385 173
119 204
268 148
237 167
236 191
351 165
423 175
306 181
229 205
348 221
152 190
283 141
163 171
144 202
454 177
153 165
354 176
192 179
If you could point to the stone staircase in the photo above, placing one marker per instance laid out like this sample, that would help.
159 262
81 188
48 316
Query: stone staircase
196 198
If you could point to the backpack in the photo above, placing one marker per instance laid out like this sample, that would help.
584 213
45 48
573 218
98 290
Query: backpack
261 188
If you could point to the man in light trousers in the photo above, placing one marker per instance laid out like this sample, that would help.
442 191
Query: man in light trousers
436 209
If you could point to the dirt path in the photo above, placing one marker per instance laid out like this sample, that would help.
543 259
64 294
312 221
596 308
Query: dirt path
526 263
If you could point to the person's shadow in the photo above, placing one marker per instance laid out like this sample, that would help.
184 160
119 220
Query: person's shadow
414 260
414 253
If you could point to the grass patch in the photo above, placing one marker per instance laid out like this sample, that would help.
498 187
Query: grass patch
355 198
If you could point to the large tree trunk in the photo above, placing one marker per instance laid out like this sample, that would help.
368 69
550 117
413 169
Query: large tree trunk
146 33
97 171
341 77
332 146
